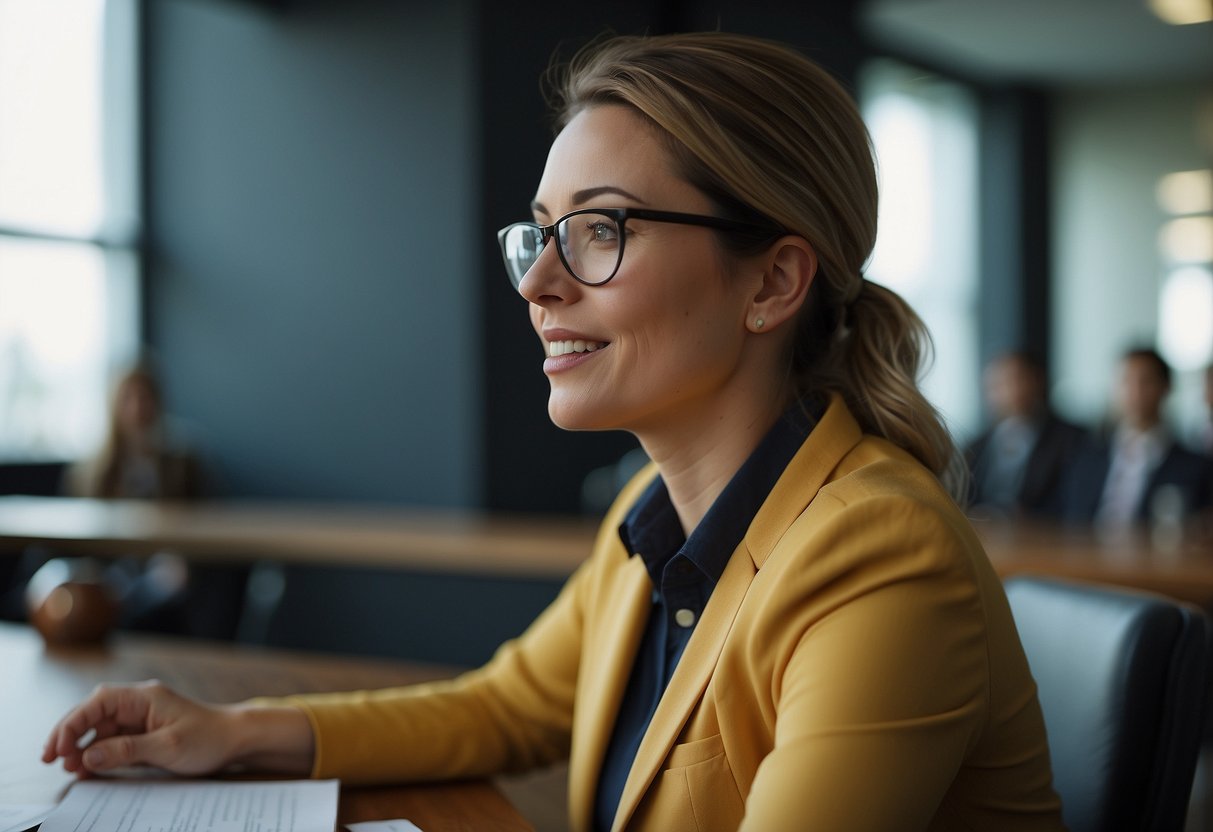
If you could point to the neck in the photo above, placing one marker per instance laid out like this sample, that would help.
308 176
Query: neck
698 456
1144 424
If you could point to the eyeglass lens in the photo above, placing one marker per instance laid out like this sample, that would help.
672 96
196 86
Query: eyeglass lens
590 247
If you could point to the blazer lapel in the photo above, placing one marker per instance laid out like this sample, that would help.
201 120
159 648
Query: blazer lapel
689 682
833 437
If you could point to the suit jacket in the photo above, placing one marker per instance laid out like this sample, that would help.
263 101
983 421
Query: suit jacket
1057 445
1191 473
856 668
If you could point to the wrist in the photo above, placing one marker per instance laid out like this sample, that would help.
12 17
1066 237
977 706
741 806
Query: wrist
269 737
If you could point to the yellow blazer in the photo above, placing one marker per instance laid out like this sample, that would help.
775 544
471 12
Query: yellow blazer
856 668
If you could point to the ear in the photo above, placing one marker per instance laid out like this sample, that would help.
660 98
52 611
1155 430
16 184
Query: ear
788 269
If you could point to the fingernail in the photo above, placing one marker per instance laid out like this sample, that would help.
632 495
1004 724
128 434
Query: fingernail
94 757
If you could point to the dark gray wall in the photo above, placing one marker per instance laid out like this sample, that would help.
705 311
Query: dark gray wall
312 275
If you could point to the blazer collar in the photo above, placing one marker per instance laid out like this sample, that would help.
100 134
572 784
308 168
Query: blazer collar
832 438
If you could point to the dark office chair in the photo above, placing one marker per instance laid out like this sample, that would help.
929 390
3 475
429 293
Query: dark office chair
1123 679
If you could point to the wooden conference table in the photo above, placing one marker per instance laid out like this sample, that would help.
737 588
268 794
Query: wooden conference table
516 546
1178 566
39 684
349 535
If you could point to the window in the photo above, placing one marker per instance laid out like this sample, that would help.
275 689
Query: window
1185 242
924 129
68 220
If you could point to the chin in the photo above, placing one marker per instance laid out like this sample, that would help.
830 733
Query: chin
580 415
565 420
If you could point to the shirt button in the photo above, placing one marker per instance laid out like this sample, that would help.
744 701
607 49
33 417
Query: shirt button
684 617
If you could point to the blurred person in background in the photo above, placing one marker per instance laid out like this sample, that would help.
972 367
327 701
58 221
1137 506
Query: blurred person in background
1018 465
143 457
140 458
1138 472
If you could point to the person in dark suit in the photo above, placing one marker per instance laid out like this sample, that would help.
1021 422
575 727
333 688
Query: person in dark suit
1017 466
1138 473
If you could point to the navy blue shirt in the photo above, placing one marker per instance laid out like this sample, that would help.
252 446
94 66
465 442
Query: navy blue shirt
684 571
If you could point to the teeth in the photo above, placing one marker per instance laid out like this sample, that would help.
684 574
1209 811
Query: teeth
556 348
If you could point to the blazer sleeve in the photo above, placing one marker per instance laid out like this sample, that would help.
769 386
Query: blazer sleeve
514 713
882 672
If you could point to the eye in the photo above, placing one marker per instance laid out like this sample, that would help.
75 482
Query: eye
603 231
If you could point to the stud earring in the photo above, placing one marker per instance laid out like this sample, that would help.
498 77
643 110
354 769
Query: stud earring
759 323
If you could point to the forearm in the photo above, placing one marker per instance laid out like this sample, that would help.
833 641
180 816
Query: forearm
275 738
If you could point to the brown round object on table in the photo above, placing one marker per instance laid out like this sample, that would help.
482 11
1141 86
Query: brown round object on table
68 605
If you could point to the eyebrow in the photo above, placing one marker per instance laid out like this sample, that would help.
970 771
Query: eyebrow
587 194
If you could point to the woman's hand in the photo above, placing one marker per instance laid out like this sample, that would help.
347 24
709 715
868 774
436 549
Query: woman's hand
150 724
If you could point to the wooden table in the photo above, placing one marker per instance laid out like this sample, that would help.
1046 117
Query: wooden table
38 685
429 539
516 545
1181 567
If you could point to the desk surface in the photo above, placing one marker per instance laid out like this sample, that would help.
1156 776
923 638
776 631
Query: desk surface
1181 567
428 539
515 545
40 685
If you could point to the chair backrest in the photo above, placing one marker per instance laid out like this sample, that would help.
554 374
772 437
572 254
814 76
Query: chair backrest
1123 680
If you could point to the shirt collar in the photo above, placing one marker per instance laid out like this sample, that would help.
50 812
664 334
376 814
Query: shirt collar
652 530
1154 442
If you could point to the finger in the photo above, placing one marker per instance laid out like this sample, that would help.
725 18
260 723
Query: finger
67 733
119 751
125 706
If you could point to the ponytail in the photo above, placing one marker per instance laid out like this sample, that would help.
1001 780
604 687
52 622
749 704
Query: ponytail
885 348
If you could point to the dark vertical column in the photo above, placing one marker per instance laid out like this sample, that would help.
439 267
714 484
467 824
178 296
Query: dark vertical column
1014 222
529 464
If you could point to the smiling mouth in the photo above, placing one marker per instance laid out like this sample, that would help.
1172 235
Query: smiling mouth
556 348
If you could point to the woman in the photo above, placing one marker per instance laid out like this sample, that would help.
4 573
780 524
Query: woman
142 459
786 623
139 459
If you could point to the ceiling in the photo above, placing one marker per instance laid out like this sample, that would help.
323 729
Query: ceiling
1051 42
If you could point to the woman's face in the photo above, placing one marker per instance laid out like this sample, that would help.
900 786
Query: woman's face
138 409
669 328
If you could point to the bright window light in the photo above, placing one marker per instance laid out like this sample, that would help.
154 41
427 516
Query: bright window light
1187 240
901 130
68 220
1186 192
56 327
1185 318
50 106
1182 12
925 135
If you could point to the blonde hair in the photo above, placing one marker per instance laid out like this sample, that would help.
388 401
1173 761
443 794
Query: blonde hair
773 139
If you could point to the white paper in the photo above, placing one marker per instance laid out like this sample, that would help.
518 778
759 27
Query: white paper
18 817
400 825
198 806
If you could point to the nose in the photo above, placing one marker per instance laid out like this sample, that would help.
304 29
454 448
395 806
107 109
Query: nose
548 281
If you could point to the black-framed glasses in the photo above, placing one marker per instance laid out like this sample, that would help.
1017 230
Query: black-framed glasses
590 241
